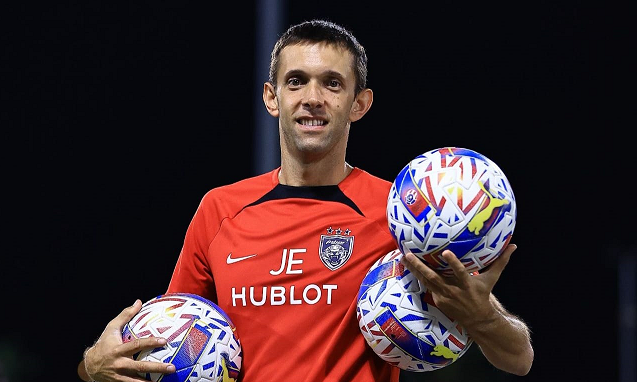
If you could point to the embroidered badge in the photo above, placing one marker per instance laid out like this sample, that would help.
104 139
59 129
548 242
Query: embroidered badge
335 248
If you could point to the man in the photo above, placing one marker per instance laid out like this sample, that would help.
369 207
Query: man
261 248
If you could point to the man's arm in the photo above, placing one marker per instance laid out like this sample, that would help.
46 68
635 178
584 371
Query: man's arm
504 339
109 359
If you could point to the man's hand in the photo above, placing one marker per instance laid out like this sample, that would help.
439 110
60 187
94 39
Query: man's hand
504 339
463 296
109 359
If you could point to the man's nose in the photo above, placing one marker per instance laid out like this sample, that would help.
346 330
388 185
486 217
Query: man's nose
313 96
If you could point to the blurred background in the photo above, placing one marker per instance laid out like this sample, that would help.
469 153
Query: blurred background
118 117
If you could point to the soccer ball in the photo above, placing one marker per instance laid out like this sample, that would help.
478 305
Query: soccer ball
202 341
452 198
401 323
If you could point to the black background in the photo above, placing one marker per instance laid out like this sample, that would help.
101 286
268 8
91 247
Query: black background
117 118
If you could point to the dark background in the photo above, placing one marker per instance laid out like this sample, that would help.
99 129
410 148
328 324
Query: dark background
118 117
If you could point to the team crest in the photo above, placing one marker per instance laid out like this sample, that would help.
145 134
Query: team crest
411 197
335 249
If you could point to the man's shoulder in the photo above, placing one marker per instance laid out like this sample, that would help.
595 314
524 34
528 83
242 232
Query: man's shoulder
244 190
368 192
363 179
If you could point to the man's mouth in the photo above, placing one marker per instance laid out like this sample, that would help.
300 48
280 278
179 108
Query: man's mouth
311 122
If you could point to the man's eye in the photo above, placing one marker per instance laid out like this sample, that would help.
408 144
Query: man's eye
333 83
294 82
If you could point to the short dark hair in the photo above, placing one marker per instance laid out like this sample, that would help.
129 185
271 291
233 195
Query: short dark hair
322 31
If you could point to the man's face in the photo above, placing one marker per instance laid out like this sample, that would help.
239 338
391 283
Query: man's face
315 93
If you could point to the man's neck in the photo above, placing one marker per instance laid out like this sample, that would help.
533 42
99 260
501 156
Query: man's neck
313 174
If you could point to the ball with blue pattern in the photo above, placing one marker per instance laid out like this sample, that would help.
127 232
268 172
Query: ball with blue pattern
452 198
203 343
402 324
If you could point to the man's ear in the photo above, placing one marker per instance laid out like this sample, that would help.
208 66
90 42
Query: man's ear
270 100
361 104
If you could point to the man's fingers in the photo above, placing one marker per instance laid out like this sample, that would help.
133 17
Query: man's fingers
151 367
421 270
129 348
126 315
504 258
497 267
457 267
414 264
130 369
139 344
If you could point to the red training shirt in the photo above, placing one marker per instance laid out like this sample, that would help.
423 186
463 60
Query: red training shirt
285 263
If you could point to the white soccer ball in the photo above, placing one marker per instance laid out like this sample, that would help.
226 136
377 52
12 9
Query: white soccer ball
452 198
202 341
401 323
